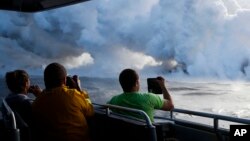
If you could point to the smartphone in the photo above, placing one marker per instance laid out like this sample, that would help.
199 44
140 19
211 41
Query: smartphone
153 86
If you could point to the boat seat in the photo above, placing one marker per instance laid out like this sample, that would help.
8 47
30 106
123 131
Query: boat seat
115 127
25 133
165 130
3 136
12 133
17 129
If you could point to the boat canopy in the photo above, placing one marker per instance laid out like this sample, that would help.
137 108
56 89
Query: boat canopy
35 5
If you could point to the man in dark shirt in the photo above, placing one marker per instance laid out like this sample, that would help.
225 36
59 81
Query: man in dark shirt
18 83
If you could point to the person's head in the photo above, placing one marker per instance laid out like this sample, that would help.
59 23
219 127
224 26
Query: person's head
17 81
54 75
129 80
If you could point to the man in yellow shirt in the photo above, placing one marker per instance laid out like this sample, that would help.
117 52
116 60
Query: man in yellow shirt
60 113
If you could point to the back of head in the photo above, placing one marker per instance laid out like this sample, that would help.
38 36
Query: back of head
17 80
128 78
54 75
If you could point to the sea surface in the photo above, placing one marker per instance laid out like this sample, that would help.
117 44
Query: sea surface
229 98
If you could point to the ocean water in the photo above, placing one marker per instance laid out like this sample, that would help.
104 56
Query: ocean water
223 98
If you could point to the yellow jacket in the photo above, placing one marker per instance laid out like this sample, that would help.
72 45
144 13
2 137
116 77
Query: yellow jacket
60 114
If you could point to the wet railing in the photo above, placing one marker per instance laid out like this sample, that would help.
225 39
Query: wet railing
216 118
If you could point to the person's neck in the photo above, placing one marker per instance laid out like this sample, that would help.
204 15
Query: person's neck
25 93
133 91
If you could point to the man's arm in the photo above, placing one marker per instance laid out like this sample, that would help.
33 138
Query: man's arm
168 102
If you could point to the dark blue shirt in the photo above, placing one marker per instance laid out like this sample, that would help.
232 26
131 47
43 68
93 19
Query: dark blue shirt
21 104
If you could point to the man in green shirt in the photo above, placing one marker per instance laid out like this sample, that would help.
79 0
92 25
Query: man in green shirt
132 98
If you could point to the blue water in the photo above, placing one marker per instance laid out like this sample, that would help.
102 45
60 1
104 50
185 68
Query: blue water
224 98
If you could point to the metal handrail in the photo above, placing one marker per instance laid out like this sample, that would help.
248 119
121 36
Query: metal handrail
215 117
146 117
10 113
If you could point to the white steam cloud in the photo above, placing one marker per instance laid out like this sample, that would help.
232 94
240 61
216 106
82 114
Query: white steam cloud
74 62
136 60
100 38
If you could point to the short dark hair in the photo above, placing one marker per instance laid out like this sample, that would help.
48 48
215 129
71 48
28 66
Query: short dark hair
16 80
127 79
54 75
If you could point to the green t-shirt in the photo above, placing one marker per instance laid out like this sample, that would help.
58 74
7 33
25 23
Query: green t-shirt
142 101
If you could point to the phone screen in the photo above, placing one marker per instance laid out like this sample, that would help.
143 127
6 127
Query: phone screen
153 86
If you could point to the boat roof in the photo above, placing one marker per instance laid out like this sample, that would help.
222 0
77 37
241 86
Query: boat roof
35 5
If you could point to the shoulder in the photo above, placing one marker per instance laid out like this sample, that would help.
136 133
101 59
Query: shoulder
18 97
75 94
118 96
72 92
115 98
151 95
78 97
153 98
15 96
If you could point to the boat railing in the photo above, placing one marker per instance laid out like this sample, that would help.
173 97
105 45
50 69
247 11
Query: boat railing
215 117
142 113
173 126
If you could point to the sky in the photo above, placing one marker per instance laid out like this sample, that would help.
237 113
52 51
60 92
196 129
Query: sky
100 38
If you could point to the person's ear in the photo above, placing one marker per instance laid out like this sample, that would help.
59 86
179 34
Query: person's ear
137 84
27 86
65 80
